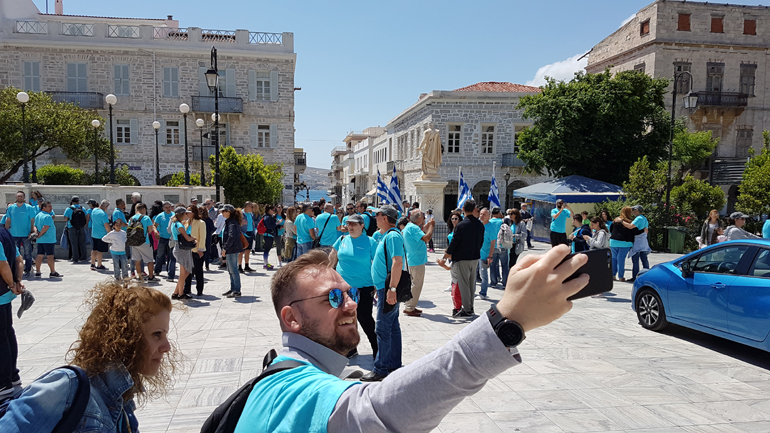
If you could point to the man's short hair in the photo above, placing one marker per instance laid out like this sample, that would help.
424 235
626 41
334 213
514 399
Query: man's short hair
105 203
46 203
136 195
414 215
283 289
496 211
140 206
119 201
22 193
469 205
167 203
305 207
416 205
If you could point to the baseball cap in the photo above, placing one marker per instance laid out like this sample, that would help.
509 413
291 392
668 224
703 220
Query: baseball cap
355 218
736 215
389 211
180 210
75 199
228 207
637 207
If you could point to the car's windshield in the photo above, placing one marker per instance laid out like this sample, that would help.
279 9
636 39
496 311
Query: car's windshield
720 260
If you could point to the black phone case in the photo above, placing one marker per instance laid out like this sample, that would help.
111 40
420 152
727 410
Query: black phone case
599 268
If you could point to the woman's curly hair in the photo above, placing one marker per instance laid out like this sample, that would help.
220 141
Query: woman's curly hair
114 333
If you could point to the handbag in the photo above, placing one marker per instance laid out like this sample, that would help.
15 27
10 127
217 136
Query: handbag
404 288
183 243
317 240
244 242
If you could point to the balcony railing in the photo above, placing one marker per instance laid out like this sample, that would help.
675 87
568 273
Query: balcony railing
226 36
87 100
300 159
339 149
511 160
131 32
226 105
32 27
723 99
71 29
170 33
260 38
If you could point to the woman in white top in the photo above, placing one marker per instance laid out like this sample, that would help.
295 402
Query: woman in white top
600 238
734 230
710 229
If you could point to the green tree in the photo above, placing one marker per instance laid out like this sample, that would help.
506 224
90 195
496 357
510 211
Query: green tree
122 177
55 174
49 125
691 149
178 179
697 197
248 178
754 197
597 125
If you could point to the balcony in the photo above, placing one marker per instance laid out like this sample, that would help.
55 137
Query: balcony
86 100
722 99
300 159
339 150
511 160
205 104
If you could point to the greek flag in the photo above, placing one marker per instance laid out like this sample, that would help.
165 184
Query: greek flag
464 193
382 189
394 194
494 197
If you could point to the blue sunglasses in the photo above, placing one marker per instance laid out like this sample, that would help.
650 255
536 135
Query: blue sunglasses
336 297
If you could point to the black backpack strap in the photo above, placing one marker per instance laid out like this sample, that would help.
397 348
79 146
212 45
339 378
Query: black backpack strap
72 415
323 229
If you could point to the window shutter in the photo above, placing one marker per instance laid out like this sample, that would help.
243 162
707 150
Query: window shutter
166 82
162 133
226 141
253 134
252 85
230 83
273 135
82 82
72 80
203 88
182 132
175 82
36 76
117 74
273 86
126 80
28 76
134 125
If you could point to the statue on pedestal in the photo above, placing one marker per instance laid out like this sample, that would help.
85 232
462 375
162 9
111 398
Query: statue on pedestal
431 153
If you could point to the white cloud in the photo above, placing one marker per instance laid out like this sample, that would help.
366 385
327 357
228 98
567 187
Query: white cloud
563 70
625 21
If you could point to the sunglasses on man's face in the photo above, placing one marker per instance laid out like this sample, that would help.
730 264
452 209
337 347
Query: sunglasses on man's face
336 297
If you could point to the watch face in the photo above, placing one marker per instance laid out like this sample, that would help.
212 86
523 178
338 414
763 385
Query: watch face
509 334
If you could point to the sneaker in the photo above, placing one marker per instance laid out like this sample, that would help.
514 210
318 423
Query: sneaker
234 295
227 293
55 275
186 296
38 274
462 313
144 274
174 296
455 311
480 296
448 289
248 269
240 269
101 267
267 266
170 280
152 280
93 267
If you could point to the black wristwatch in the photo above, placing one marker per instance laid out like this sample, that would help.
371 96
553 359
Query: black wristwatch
509 332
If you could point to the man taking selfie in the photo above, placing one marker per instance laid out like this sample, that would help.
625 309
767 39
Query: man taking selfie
559 217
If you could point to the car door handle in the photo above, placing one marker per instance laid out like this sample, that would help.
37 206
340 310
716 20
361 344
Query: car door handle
718 286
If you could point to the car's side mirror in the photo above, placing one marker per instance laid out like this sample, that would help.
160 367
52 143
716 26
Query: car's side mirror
686 270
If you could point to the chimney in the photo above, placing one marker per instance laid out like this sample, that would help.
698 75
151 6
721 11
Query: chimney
59 8
170 17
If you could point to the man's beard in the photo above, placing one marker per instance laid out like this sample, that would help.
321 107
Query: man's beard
338 343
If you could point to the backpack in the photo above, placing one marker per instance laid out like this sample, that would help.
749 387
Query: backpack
78 218
135 233
372 224
261 228
504 237
73 414
225 418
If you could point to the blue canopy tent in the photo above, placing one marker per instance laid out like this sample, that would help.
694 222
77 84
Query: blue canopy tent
571 189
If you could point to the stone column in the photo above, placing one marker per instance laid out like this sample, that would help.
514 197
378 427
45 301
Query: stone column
430 195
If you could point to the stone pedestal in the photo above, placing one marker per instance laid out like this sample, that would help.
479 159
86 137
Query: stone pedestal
430 195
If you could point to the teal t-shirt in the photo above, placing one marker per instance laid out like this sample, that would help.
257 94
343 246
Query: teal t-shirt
68 214
43 219
162 220
559 225
99 218
118 214
377 236
416 250
490 234
367 220
175 230
300 399
641 222
279 223
88 215
146 222
355 259
766 229
21 219
344 221
304 225
9 295
381 265
329 234
249 222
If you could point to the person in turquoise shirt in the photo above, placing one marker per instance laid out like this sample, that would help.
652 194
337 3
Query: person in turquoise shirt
46 240
766 229
164 254
416 241
499 255
487 248
363 211
559 217
350 209
305 229
10 287
21 223
326 225
119 213
100 226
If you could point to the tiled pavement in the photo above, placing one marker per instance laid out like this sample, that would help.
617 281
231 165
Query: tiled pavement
595 369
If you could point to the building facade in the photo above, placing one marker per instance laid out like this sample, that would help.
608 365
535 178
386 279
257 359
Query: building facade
153 66
725 49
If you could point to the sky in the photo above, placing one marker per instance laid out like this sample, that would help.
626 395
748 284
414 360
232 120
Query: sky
360 63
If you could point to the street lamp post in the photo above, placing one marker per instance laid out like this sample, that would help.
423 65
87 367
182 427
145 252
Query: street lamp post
507 177
156 127
690 101
23 98
201 123
212 78
96 123
111 100
184 108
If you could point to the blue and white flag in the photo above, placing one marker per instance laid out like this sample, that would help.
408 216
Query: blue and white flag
394 194
494 197
464 193
382 189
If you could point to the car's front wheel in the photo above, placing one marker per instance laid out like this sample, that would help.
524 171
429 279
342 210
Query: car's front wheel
650 311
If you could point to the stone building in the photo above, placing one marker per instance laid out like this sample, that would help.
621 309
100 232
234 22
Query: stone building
478 126
153 66
725 49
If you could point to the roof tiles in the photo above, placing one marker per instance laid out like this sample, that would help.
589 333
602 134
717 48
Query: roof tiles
496 86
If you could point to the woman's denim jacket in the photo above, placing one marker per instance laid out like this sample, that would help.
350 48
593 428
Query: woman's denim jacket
40 406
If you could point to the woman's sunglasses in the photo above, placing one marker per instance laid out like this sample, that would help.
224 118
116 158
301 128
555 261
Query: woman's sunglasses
336 297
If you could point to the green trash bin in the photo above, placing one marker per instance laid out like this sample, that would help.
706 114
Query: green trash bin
676 237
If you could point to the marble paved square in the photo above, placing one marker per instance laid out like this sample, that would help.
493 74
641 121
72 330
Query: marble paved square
595 370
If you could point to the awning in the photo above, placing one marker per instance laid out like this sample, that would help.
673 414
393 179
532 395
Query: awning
572 189
372 192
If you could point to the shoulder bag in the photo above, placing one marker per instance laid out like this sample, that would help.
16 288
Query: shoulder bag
183 243
404 288
317 240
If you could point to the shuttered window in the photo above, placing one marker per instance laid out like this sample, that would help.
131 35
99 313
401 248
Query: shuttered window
684 23
644 28
749 27
121 80
76 77
748 74
171 82
717 25
32 76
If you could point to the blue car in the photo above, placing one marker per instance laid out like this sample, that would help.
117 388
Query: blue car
723 290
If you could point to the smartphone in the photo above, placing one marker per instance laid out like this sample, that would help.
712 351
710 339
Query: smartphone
599 268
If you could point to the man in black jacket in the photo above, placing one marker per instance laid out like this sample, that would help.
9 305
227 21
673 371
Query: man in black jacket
464 251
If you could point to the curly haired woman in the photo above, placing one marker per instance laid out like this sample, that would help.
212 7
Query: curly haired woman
124 350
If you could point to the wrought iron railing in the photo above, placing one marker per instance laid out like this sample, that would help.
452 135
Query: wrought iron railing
300 159
261 38
32 27
131 32
170 33
511 160
88 100
227 36
723 99
73 29
226 104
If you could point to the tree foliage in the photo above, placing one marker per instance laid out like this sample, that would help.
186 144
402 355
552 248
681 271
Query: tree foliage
178 179
62 174
49 125
691 149
696 197
248 178
754 198
597 125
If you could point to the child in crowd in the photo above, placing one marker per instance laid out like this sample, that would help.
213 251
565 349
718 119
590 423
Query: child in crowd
117 240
